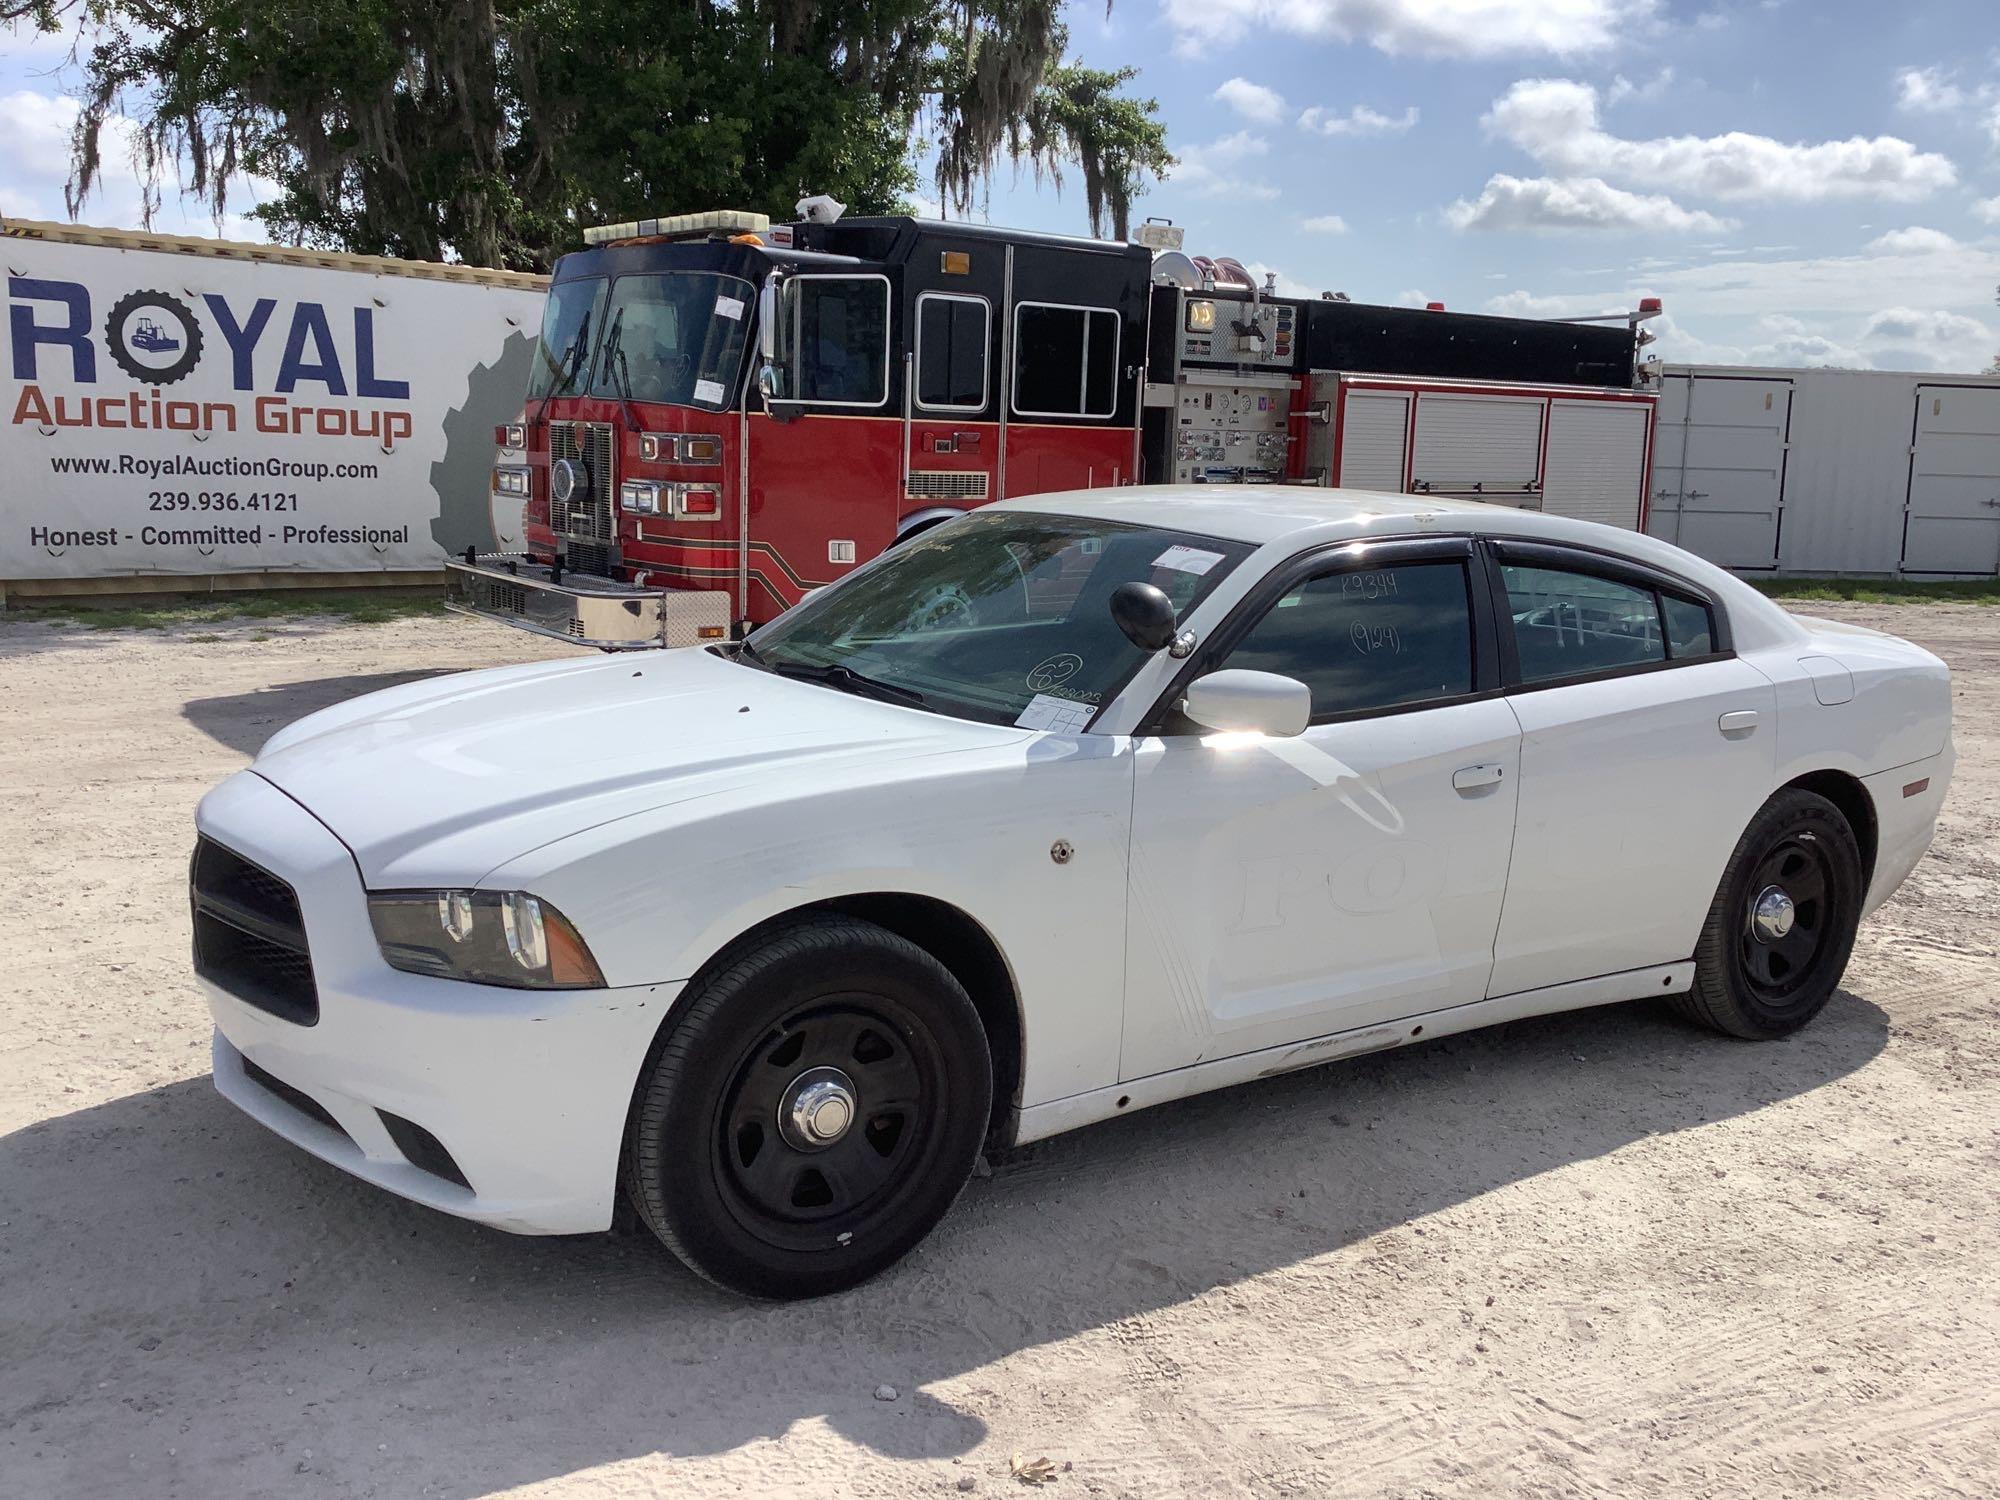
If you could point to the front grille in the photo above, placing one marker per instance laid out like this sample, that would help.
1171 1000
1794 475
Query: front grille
588 521
946 484
249 936
299 1099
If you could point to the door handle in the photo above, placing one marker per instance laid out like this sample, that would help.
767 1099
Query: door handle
1740 722
1472 778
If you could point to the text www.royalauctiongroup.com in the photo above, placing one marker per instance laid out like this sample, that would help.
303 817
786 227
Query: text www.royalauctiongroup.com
230 467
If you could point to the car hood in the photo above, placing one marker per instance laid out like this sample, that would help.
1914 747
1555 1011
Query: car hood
437 783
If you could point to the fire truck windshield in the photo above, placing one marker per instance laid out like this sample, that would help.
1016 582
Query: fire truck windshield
573 317
674 337
993 613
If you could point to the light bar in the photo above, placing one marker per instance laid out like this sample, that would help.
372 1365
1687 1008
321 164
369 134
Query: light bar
680 226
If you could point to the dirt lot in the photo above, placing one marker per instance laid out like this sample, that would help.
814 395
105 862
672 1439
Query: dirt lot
1587 1255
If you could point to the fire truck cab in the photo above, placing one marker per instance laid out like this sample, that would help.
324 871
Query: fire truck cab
723 414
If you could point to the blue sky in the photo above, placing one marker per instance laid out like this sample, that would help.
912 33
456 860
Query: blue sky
1803 183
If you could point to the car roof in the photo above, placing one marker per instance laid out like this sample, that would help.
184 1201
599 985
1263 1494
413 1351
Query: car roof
1290 518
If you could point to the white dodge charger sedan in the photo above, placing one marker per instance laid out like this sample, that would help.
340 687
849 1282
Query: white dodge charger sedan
1075 805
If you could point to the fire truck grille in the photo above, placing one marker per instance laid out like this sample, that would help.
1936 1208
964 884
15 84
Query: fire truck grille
945 484
588 522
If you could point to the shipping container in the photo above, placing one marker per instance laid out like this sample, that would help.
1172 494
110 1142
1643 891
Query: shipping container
1830 471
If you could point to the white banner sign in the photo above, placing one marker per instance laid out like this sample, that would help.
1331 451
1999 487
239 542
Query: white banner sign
182 413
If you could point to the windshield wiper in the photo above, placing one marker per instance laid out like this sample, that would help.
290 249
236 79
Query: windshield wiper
847 680
614 356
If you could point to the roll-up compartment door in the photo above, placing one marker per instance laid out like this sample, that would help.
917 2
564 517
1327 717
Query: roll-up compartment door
1482 447
1719 476
1953 520
1597 460
1374 435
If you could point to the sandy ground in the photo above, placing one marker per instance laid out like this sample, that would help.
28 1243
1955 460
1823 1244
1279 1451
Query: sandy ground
1600 1254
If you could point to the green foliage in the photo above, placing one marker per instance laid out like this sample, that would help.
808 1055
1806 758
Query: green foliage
1880 590
350 606
492 130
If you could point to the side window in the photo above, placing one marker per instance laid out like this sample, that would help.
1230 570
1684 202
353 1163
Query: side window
951 352
1690 627
840 339
1567 623
1065 361
1369 639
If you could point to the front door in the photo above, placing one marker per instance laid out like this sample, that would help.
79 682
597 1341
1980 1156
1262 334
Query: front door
1283 889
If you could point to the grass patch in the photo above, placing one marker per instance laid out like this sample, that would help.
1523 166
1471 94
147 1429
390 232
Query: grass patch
350 606
1881 590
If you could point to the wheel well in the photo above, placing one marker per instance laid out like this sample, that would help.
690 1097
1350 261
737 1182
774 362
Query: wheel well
954 940
1851 797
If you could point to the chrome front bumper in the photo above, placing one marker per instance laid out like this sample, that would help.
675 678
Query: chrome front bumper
591 611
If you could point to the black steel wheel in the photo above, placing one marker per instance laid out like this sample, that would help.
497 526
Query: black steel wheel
811 1111
1782 925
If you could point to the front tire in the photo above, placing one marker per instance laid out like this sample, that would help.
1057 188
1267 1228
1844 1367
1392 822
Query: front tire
1782 925
812 1111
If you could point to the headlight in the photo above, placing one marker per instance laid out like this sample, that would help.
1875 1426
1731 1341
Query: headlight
510 479
483 937
511 435
640 496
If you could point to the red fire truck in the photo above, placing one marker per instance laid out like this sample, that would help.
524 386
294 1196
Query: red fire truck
724 414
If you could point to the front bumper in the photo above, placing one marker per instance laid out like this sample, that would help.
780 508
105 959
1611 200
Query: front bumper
588 610
526 1090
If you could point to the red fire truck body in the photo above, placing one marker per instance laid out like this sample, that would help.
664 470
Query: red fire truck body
723 415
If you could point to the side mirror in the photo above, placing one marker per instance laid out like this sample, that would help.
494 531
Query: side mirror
767 320
1236 701
1145 614
767 383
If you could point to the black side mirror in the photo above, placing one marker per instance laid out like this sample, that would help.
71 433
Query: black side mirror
1145 614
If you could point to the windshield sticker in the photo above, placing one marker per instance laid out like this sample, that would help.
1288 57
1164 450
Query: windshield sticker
730 308
1187 560
709 391
1057 714
1055 671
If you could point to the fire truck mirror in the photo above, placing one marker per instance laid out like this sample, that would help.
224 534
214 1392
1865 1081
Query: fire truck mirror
767 321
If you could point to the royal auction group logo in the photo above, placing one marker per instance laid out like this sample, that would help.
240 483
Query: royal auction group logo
153 337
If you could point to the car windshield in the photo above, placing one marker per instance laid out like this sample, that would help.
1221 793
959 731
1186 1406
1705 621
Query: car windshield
1003 617
675 337
571 319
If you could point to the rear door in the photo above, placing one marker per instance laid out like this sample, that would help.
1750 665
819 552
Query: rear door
1719 467
1646 746
1952 522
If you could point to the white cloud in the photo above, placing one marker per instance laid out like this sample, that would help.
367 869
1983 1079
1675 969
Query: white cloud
1623 88
1215 169
1360 120
1912 241
1324 224
1917 339
1928 91
1424 28
37 130
1880 310
1253 101
1936 91
1987 209
1555 121
1547 204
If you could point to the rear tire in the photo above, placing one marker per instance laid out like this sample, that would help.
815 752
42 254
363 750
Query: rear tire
812 1111
1781 928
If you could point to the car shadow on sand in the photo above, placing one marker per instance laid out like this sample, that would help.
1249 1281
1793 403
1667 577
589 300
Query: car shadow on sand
181 1278
243 721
